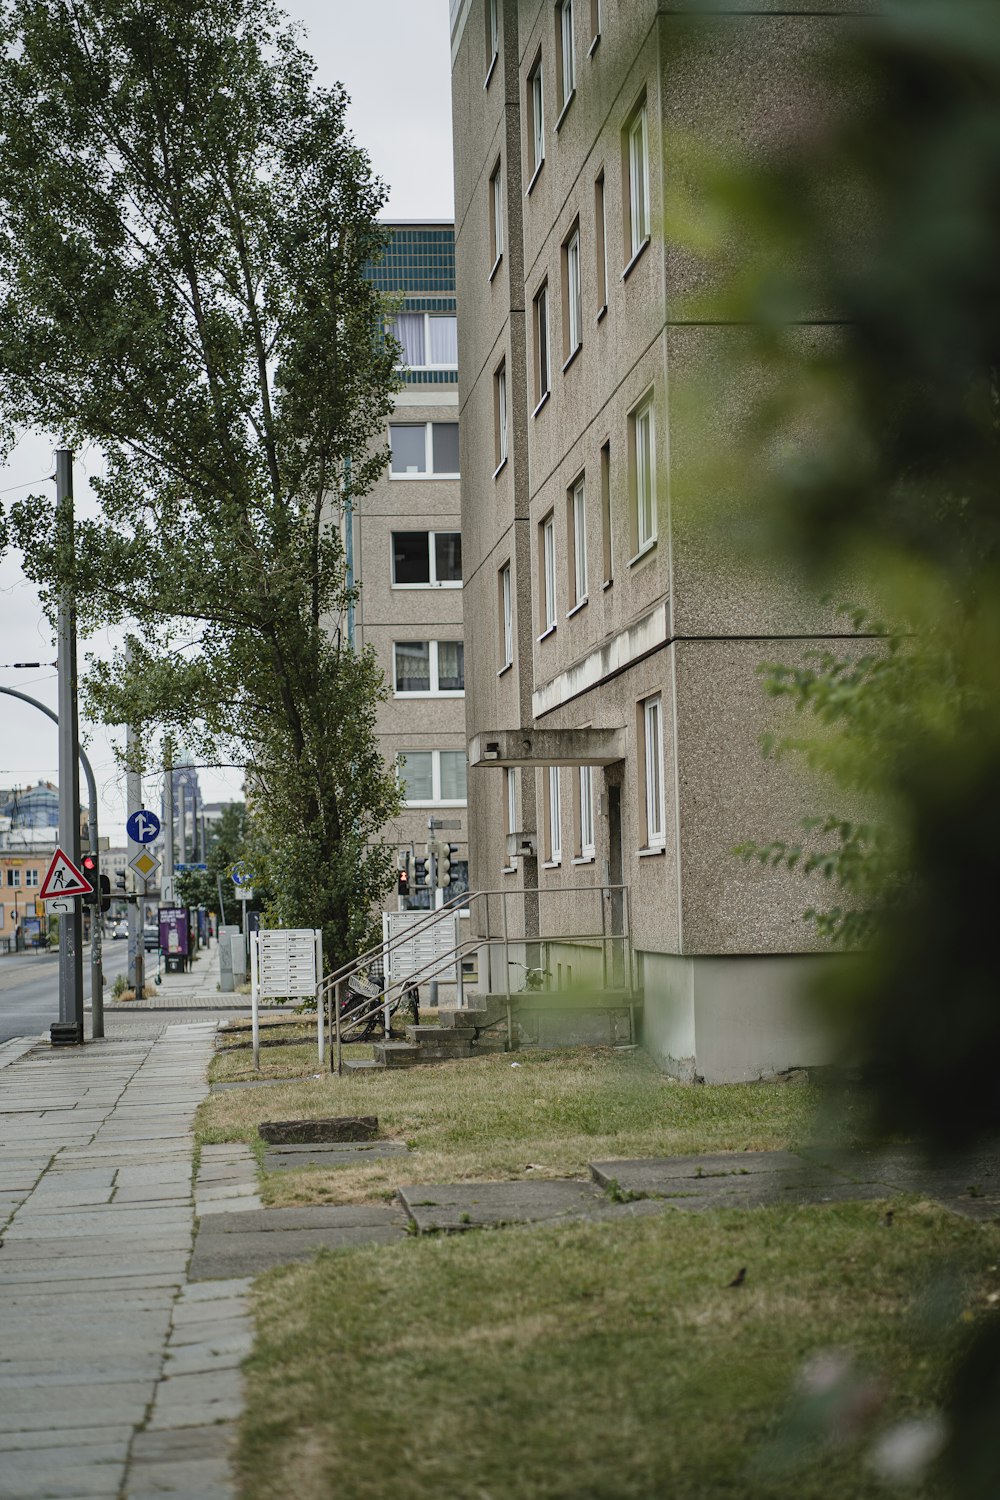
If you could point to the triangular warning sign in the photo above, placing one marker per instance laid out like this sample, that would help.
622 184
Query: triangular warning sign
63 879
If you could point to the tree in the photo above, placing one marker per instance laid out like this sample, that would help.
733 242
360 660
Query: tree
185 225
227 844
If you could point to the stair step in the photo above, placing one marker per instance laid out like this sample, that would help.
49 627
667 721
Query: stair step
488 1044
431 1053
363 1065
396 1054
463 1020
439 1035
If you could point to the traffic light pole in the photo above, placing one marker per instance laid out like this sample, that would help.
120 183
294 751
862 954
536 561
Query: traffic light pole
68 1031
136 910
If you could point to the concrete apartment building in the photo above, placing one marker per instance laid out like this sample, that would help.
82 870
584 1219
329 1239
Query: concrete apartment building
407 554
613 706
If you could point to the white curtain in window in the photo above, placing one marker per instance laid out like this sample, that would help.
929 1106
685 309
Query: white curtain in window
443 340
409 330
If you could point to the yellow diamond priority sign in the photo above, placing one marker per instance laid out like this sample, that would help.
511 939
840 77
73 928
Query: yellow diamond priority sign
145 864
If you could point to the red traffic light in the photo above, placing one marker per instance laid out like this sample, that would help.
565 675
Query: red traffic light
90 863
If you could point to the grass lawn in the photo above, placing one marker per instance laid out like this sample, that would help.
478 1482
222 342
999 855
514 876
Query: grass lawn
486 1119
597 1362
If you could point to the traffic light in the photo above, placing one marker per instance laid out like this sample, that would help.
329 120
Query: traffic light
120 886
420 872
403 877
89 867
105 893
444 863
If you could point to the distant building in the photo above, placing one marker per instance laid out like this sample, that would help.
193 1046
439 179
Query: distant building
189 808
35 807
407 556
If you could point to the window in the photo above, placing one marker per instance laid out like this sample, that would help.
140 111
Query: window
31 878
429 340
554 807
429 668
601 245
496 215
511 818
643 476
542 362
586 811
548 568
500 416
433 776
14 878
638 182
427 559
572 304
595 23
606 513
423 448
652 768
506 618
536 118
565 54
577 528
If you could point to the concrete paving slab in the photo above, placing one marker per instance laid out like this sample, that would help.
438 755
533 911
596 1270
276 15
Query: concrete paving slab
73 1437
197 1415
452 1207
284 1158
256 1251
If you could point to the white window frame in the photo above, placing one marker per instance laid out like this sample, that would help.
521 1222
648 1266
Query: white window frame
493 33
496 189
427 317
578 507
13 878
436 800
500 381
645 476
652 722
434 583
511 817
555 817
588 847
30 879
434 691
507 616
428 472
543 344
567 54
537 86
638 179
549 573
574 295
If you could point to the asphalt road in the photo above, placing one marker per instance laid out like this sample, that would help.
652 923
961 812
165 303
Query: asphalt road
29 989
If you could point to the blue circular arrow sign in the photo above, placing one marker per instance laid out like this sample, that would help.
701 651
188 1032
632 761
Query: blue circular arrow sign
241 875
143 826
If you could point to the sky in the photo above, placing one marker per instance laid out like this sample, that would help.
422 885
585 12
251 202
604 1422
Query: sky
393 58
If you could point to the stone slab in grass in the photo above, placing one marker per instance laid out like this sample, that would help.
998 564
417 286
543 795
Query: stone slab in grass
310 1132
346 1154
246 1244
451 1207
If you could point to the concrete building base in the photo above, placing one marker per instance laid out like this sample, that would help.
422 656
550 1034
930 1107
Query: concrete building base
733 1019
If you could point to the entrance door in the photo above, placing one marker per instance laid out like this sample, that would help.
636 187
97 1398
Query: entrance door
616 875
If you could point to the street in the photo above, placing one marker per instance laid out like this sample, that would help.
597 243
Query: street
29 992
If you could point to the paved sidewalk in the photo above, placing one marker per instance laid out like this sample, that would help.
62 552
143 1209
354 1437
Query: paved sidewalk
117 1378
198 989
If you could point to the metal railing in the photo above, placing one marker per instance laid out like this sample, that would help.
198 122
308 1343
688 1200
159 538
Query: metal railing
333 986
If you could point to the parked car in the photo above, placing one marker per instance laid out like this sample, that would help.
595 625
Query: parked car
150 939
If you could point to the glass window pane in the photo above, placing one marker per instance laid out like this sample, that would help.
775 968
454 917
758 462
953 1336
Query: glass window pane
408 443
448 556
443 339
453 776
413 666
451 667
445 446
410 557
409 330
417 775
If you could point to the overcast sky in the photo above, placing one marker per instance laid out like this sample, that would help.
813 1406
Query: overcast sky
393 58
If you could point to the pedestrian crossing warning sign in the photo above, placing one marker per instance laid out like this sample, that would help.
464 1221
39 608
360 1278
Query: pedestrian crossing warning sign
63 879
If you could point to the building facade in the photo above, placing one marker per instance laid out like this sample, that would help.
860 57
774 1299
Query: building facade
406 557
614 708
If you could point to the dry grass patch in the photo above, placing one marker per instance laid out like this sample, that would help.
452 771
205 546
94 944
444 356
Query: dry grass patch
486 1119
607 1361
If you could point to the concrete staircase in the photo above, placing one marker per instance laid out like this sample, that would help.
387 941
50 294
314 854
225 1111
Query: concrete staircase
458 1034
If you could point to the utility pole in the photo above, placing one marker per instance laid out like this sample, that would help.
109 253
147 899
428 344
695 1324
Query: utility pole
136 911
68 1030
168 818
